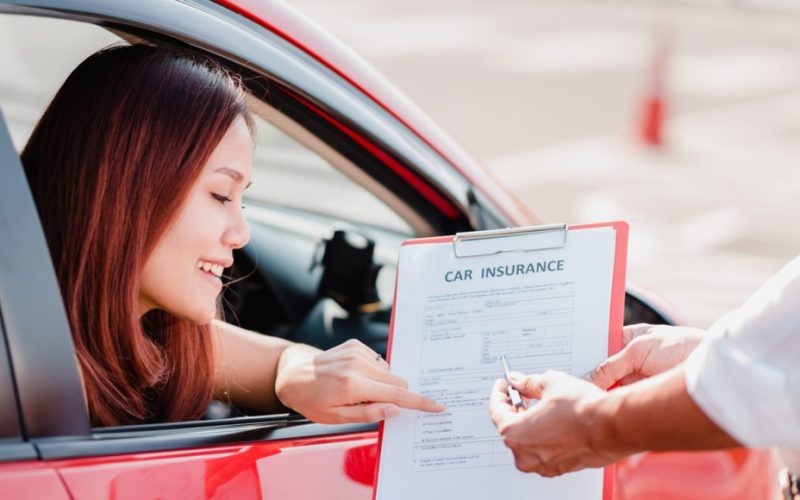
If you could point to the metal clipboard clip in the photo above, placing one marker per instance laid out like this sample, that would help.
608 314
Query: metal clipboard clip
515 239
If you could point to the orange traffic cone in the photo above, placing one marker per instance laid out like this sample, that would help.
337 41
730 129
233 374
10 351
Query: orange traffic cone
651 128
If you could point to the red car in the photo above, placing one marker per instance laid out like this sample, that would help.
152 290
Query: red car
339 149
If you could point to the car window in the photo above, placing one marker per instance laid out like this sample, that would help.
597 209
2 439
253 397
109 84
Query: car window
35 66
288 173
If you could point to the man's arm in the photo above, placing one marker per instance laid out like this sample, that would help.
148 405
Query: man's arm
655 414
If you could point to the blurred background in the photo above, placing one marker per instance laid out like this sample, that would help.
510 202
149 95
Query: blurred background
682 118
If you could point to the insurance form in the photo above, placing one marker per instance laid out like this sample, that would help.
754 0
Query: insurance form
545 301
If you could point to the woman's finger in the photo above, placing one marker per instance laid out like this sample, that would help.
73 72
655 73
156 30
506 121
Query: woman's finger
364 413
356 348
370 356
354 357
374 370
379 392
387 378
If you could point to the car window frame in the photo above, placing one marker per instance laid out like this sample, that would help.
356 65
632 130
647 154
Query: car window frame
12 444
30 339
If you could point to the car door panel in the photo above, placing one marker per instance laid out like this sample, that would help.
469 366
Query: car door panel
31 480
308 468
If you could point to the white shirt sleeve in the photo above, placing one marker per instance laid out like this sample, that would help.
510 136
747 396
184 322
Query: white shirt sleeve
746 375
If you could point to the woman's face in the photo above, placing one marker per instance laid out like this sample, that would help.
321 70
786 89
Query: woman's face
182 274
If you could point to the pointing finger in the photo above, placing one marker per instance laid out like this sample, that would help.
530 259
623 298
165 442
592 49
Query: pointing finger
379 370
402 397
366 413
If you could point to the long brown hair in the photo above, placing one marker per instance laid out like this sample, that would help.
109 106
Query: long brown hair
110 163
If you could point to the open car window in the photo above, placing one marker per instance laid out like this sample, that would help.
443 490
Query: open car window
289 173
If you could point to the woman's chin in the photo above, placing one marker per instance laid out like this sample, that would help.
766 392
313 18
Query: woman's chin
199 317
203 319
202 322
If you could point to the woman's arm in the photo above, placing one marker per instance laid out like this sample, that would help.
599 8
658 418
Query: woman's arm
247 366
348 383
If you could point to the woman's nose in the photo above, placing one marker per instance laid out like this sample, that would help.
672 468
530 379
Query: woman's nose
238 233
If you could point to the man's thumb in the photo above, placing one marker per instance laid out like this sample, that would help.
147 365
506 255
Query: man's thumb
612 370
529 386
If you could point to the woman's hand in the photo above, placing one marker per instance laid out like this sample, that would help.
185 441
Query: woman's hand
348 383
648 350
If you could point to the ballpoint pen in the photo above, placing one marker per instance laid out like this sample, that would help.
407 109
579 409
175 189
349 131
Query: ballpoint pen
516 400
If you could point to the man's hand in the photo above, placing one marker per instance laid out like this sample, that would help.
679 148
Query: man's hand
648 350
555 434
348 383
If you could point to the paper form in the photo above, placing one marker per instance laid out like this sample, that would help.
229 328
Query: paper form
453 318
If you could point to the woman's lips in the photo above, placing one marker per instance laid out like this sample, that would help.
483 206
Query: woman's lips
211 277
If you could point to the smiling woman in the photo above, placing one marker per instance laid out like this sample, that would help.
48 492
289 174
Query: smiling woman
138 167
109 164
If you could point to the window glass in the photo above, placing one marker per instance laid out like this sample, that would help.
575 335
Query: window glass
288 173
35 65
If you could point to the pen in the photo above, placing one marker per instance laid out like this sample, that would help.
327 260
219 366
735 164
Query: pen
516 400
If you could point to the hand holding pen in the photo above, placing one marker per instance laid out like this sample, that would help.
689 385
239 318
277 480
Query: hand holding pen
513 394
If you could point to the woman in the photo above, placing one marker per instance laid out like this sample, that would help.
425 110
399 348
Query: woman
138 168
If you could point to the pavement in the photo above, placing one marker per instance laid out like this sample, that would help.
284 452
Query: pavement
549 94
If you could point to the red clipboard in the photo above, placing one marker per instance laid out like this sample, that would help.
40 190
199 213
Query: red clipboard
616 308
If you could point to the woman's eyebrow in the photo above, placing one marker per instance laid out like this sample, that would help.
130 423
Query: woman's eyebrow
233 174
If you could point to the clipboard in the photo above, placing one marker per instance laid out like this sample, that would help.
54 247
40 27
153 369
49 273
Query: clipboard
529 241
